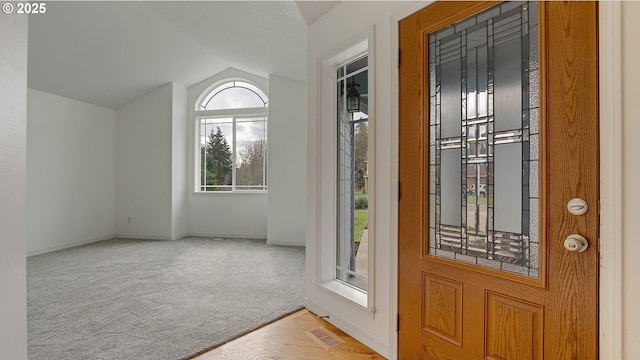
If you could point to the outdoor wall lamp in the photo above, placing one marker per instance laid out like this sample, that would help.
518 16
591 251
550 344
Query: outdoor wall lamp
353 97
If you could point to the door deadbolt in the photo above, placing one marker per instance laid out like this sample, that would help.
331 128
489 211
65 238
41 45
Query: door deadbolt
577 206
576 243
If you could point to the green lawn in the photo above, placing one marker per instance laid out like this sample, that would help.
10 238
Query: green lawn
360 221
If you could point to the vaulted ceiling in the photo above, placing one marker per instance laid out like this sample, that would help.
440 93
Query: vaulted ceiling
110 53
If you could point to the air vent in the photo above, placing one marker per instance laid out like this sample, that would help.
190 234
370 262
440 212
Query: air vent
325 337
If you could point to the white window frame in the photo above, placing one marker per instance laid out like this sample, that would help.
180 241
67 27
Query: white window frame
234 114
325 277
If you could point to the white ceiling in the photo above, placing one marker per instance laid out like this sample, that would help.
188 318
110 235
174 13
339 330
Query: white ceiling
313 10
110 53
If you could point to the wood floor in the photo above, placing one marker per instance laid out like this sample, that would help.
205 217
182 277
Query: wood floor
300 336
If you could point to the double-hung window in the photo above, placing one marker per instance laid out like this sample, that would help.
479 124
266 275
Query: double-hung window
231 122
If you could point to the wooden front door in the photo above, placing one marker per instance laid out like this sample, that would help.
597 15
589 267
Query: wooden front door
498 132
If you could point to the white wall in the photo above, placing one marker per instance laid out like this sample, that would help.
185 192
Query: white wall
287 158
226 215
70 172
143 166
72 150
329 35
631 174
13 135
179 161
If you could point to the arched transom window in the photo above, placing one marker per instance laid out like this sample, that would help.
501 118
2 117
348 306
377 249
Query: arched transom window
234 95
232 138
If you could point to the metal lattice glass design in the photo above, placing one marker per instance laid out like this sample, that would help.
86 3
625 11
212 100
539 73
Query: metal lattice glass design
483 139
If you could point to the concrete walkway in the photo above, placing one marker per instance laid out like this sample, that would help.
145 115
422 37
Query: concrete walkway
362 257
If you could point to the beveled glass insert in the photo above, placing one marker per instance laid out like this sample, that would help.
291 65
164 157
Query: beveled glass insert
483 139
507 198
450 93
450 187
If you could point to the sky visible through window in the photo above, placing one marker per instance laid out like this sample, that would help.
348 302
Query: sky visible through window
248 130
235 95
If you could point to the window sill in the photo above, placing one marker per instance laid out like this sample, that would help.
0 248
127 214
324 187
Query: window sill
350 293
230 193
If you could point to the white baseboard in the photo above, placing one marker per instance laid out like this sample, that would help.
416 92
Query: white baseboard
285 243
362 336
227 236
151 237
142 237
146 237
179 236
69 245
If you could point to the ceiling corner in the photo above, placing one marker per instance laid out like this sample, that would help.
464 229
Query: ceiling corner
313 10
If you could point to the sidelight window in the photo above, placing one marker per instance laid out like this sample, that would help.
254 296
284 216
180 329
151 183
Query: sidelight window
353 175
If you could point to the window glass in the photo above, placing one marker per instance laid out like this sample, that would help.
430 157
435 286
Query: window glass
234 95
251 168
352 261
232 148
216 155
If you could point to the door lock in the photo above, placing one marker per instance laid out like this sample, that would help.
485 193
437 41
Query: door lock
577 206
576 243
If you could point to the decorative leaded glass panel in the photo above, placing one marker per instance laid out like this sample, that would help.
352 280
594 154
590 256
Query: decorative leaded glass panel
483 139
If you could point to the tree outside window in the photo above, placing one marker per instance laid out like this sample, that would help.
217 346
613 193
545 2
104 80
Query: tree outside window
232 121
216 159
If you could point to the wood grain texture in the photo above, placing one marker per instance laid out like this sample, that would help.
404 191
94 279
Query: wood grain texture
562 303
289 339
513 328
413 155
442 308
573 155
410 204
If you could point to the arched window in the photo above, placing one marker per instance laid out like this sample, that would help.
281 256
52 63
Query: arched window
232 138
234 95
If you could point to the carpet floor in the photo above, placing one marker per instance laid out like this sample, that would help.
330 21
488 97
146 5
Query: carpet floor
157 300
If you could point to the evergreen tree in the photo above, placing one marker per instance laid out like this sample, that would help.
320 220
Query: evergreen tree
207 172
219 161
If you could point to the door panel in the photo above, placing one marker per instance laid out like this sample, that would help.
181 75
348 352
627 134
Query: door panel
453 307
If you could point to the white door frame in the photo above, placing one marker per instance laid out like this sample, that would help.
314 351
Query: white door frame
610 77
610 84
